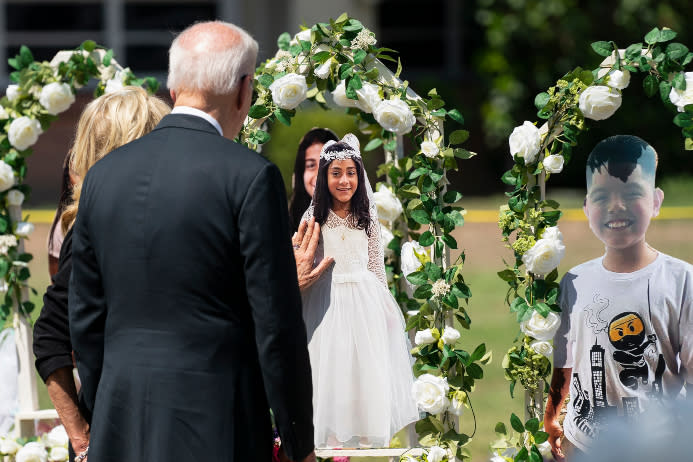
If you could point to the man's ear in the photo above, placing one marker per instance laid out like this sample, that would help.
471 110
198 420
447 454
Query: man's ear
173 96
657 202
245 91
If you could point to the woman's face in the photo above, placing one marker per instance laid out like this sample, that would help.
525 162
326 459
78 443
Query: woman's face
342 181
310 172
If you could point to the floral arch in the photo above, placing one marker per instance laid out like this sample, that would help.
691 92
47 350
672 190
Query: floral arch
529 220
338 65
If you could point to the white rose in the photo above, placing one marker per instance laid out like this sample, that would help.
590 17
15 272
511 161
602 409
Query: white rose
8 446
542 347
59 454
553 163
389 207
57 437
323 70
368 97
12 92
429 149
289 91
456 406
450 335
387 236
545 450
424 337
394 116
56 97
430 393
303 35
408 260
524 142
117 82
544 256
6 176
680 98
14 196
24 132
3 113
32 452
24 228
599 102
617 79
107 73
436 454
540 327
552 233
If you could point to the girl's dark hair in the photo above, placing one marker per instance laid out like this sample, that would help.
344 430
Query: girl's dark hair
64 201
322 199
300 199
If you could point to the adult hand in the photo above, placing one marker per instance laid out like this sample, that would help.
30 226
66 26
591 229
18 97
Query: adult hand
553 428
305 243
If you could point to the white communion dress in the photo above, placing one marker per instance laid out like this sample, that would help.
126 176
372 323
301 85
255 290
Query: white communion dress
359 351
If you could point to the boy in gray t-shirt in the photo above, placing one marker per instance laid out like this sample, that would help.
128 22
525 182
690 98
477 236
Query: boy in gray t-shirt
626 335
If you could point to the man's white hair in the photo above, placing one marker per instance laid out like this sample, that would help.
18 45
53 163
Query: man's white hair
201 69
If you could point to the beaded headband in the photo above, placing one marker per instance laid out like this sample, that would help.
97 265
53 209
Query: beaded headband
346 153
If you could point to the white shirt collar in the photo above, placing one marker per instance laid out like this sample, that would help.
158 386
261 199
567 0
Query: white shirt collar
198 113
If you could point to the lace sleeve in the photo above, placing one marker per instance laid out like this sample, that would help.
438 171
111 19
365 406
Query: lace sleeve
376 257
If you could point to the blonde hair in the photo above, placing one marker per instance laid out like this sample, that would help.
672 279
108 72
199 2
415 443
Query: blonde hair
107 123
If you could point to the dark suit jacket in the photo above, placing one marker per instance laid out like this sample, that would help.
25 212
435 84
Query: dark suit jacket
185 314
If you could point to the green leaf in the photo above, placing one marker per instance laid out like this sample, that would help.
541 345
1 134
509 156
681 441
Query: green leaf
500 428
683 120
516 423
423 292
373 144
688 144
359 56
507 275
420 216
463 153
534 457
434 271
459 136
353 25
540 437
510 178
418 172
664 90
258 111
88 46
456 116
679 81
541 100
634 51
666 34
532 425
602 48
283 41
449 241
650 85
345 70
409 191
265 80
399 68
452 196
652 36
418 278
25 56
305 45
259 137
676 50
475 371
283 116
427 239
479 353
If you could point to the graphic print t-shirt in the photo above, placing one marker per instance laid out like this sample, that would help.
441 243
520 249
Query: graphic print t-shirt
628 338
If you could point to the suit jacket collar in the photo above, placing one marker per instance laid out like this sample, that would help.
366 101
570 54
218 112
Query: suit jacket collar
187 121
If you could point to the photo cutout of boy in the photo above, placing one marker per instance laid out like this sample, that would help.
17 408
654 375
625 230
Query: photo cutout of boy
625 344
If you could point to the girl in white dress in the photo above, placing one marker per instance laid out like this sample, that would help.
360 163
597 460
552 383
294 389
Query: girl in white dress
359 352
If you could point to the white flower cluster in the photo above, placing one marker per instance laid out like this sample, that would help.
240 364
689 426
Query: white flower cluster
681 98
440 288
546 253
7 241
51 447
363 39
388 205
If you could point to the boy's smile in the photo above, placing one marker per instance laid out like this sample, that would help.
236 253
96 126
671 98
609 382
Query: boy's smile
619 213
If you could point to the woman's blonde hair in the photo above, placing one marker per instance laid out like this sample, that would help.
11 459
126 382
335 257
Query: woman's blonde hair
107 123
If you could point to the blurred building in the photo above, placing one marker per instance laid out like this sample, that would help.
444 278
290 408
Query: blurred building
140 32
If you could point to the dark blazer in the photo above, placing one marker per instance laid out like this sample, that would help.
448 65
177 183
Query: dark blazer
52 346
185 313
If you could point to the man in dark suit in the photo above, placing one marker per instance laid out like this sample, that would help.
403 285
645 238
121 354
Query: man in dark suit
185 314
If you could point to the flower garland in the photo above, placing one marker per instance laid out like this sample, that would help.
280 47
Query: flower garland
39 93
50 446
338 65
529 221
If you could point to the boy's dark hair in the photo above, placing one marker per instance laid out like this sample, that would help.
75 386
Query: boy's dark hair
300 199
619 155
322 199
